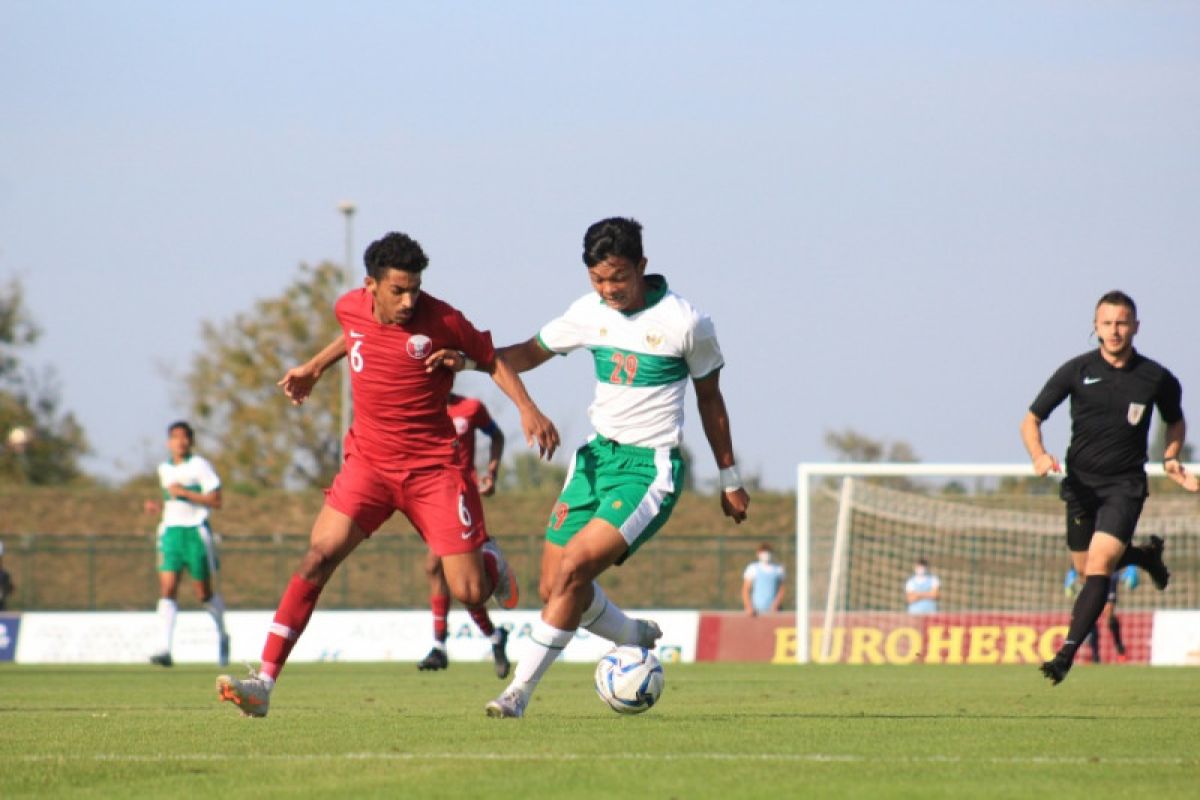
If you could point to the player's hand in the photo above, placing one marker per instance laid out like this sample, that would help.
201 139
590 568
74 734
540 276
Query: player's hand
1175 471
177 490
298 383
453 360
151 507
734 504
538 429
1046 463
487 486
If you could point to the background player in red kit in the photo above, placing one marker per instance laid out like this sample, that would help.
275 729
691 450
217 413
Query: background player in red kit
468 415
399 451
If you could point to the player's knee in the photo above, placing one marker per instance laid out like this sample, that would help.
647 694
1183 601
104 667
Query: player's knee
470 590
572 578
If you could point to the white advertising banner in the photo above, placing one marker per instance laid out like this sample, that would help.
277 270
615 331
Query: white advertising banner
1176 639
132 637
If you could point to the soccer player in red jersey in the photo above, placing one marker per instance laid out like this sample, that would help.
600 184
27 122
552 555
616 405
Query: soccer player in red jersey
468 415
399 451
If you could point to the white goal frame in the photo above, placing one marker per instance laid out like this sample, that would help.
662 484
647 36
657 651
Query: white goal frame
807 471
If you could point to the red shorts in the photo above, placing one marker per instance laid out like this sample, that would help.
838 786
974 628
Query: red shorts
441 503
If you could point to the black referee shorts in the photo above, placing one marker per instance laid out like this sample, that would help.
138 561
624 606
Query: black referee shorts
1111 508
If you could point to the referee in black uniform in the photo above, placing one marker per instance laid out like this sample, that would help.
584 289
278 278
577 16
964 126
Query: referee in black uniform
1113 391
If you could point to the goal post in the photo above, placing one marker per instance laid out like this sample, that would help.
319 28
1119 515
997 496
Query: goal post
996 530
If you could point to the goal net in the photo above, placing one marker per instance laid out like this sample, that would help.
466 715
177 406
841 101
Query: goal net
993 538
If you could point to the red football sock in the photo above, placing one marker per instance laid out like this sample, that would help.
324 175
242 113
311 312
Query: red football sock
440 604
480 615
291 618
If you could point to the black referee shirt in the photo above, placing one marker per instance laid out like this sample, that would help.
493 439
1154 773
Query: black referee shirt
1110 412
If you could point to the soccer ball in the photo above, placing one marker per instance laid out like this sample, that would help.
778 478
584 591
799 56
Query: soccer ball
629 679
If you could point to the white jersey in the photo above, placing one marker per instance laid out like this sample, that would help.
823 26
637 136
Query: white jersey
196 475
643 361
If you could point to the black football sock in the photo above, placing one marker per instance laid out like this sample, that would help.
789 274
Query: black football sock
1114 627
1088 607
1133 555
1094 643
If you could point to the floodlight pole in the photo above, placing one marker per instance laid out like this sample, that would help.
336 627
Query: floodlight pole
347 208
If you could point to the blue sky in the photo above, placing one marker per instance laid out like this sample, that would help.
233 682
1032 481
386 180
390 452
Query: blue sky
899 215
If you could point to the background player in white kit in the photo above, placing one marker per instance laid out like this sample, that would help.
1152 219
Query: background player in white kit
190 487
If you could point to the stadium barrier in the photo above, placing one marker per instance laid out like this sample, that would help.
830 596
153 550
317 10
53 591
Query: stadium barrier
1166 638
336 635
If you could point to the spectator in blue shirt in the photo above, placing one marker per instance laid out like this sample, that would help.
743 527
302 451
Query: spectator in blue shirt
921 590
762 583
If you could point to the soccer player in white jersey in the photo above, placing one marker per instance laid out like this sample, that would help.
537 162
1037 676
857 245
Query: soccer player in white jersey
190 488
646 343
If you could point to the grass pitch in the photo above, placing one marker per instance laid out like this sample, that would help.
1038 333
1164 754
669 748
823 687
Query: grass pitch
720 730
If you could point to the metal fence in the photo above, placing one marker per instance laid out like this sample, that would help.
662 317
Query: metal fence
58 572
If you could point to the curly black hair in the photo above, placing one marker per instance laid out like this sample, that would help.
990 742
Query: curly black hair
394 251
615 236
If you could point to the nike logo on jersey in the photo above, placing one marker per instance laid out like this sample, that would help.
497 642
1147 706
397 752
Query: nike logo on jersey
1090 381
357 335
467 534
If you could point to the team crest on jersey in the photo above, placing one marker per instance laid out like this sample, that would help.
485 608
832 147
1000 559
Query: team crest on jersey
1135 413
461 425
654 339
419 346
604 331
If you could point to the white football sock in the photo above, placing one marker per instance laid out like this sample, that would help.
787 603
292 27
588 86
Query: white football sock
604 618
216 609
166 615
546 642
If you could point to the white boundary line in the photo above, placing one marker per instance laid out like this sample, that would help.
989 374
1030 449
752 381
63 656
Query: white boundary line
1052 761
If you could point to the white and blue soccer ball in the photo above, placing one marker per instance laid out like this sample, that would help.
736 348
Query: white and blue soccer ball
629 679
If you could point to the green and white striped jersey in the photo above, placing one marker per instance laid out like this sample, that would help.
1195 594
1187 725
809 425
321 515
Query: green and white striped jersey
643 361
195 474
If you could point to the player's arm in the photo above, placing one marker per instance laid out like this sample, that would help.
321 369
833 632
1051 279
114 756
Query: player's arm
519 357
209 499
1175 435
299 381
746 604
1031 435
487 484
715 420
1057 389
526 355
536 426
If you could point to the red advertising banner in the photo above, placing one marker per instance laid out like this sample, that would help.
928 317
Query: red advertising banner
896 638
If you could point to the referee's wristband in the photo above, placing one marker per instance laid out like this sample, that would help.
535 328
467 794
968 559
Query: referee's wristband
468 362
731 481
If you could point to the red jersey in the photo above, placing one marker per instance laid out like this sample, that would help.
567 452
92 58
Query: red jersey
468 416
400 419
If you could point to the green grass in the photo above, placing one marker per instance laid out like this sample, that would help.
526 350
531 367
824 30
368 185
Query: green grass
721 730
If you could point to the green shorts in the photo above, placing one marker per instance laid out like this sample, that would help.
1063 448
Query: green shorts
192 548
632 488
